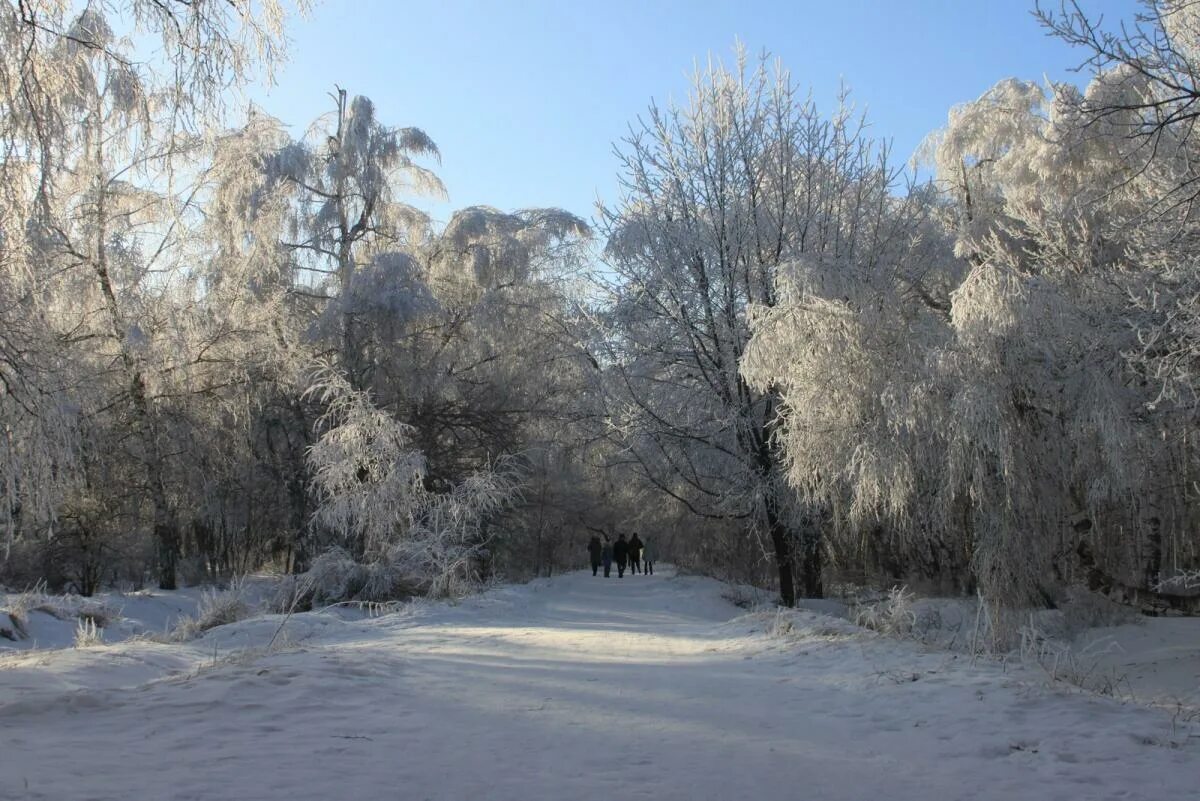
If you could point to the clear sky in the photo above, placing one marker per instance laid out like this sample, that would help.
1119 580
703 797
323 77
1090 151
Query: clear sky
525 98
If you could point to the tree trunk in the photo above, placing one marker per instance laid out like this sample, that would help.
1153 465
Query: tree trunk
167 535
811 563
781 534
166 531
783 555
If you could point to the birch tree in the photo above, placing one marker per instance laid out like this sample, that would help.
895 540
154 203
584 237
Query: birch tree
348 220
92 141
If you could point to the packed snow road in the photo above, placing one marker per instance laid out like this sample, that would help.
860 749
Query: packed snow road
572 688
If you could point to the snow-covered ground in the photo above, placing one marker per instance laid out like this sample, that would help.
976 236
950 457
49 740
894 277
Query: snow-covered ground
131 614
1155 659
51 620
576 687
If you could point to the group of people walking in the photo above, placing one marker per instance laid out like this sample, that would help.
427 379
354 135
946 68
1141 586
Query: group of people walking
631 553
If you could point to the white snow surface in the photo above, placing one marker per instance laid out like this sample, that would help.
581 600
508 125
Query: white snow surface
570 688
1157 659
141 612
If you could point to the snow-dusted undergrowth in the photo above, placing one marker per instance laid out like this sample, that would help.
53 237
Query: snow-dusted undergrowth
215 608
17 610
1088 643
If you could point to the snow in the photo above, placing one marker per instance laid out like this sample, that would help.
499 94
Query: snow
143 612
1157 659
576 687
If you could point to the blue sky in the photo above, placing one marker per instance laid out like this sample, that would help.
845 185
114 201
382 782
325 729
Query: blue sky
525 98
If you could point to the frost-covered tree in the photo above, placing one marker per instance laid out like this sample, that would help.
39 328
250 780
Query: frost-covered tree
1143 104
350 233
499 355
1137 118
719 197
988 419
371 491
167 285
852 346
491 364
1060 224
98 169
461 334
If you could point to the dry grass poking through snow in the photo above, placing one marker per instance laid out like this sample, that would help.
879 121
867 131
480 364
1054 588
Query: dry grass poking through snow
17 608
1078 667
87 634
1071 646
1051 642
215 608
893 616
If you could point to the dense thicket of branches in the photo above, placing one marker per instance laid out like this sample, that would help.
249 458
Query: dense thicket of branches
223 348
985 382
722 198
1019 412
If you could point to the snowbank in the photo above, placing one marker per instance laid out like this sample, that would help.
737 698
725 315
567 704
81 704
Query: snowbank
36 620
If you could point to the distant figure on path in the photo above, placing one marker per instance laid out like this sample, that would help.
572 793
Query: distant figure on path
621 554
595 551
635 554
606 556
647 560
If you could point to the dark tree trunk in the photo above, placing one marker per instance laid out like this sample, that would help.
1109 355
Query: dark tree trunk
781 540
781 534
811 563
1154 541
166 533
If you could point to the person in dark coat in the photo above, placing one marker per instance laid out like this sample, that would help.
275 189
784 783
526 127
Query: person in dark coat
606 556
635 554
595 550
621 554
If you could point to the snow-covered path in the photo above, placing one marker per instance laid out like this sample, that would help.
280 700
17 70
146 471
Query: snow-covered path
573 688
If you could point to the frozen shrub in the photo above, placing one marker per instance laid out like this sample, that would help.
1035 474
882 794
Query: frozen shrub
382 582
336 577
100 614
287 596
16 608
893 615
216 608
333 577
369 481
781 624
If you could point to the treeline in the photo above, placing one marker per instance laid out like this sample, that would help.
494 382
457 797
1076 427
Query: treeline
222 348
983 383
778 354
